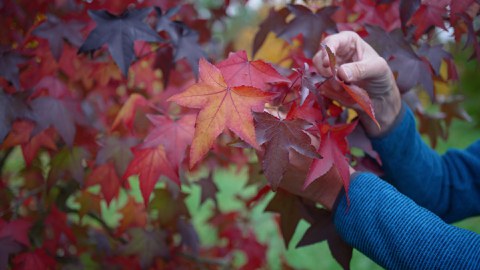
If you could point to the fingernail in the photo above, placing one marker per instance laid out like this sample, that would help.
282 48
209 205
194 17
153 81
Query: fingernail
348 74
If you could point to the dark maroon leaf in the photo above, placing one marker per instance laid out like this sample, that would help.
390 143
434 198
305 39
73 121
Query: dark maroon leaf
289 207
164 22
9 61
452 108
311 25
147 245
8 246
189 235
387 43
117 150
431 124
279 137
435 54
12 107
187 47
119 33
407 8
412 71
358 138
209 189
275 22
324 229
58 113
56 30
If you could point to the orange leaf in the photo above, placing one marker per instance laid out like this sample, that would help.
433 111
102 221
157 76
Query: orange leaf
127 112
221 107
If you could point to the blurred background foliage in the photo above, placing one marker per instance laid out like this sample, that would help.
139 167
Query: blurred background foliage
238 31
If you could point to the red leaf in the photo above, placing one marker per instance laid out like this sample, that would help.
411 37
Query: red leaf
427 16
150 164
43 139
126 114
237 70
175 136
37 259
107 178
17 229
333 147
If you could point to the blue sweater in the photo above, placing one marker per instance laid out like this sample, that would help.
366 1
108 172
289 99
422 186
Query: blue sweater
406 227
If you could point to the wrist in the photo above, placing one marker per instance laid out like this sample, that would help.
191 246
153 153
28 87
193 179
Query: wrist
386 108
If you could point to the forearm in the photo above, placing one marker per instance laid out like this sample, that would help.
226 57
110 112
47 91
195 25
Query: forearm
396 233
442 184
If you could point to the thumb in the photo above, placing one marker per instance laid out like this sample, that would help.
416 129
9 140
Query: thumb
363 70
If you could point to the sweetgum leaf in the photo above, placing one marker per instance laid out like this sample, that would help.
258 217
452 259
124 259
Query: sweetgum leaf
149 164
237 70
117 150
55 31
209 189
175 136
119 33
275 22
8 246
37 259
333 147
287 205
279 137
12 107
58 113
407 9
67 164
324 229
189 235
426 16
9 61
435 54
16 229
187 47
221 107
147 245
311 25
164 22
452 108
106 176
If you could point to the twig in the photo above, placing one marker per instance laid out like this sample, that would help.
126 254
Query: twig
223 262
100 221
21 200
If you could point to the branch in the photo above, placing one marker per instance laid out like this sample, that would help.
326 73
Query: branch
4 158
100 221
224 263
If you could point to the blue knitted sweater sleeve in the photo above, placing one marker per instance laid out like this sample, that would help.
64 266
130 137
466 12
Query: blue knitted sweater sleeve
448 185
396 233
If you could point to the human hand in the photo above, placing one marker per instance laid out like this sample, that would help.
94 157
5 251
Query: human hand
324 190
361 65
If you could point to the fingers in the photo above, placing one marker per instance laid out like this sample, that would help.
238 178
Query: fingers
371 68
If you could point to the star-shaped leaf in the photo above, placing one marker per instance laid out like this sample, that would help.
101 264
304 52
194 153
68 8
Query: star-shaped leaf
237 70
426 16
55 31
221 107
164 22
311 25
275 22
9 61
333 147
117 150
280 137
149 164
324 229
106 176
119 33
187 47
288 206
147 244
12 107
175 136
209 189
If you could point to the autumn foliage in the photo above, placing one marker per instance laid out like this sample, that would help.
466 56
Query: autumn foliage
94 94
